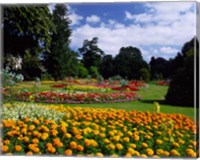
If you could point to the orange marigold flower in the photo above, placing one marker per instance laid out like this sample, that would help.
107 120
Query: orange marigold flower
73 145
35 140
29 153
68 152
18 148
6 142
31 127
4 148
80 148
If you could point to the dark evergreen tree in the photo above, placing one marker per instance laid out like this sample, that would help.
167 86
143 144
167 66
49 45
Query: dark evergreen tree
107 66
58 59
181 89
159 68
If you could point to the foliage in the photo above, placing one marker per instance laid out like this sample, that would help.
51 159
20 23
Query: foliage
91 53
9 80
145 74
181 89
107 66
26 32
128 63
82 71
159 66
58 59
93 71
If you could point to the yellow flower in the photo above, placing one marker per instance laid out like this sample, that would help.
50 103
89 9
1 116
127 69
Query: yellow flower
99 154
174 152
119 146
144 145
166 153
26 139
131 151
44 136
159 141
130 133
175 144
143 155
132 145
111 146
159 151
68 135
116 138
149 152
73 145
126 139
128 155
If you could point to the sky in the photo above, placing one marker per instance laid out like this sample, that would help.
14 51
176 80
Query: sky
158 29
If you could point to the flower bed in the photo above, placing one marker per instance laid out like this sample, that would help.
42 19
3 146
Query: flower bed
163 83
56 97
101 132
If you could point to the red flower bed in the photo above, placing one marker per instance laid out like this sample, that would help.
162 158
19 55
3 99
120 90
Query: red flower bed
59 85
163 83
132 88
56 97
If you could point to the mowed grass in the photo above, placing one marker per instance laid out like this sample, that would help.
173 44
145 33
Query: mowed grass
150 94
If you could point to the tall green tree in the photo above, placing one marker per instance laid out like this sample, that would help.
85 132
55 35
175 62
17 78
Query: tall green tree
107 66
128 63
58 59
159 67
26 33
92 54
181 89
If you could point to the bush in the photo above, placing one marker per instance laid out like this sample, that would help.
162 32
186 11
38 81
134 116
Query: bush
93 71
144 73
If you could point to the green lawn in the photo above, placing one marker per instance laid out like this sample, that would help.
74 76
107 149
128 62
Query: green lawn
149 95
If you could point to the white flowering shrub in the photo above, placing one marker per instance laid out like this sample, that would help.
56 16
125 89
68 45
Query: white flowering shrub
33 111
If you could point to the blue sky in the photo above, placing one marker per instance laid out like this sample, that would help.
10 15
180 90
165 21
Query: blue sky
158 29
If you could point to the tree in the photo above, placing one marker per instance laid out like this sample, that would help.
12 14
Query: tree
58 59
91 53
181 89
107 67
82 71
128 63
158 66
145 74
26 32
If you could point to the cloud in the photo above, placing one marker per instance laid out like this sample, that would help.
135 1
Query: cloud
93 19
75 18
168 50
165 31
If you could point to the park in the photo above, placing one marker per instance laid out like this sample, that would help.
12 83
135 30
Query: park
86 103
